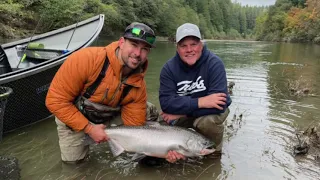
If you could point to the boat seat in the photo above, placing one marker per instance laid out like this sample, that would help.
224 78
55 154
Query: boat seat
4 62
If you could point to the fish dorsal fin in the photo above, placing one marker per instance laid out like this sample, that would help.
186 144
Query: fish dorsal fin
115 147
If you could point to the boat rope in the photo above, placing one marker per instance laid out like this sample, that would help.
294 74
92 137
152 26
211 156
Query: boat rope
73 32
24 51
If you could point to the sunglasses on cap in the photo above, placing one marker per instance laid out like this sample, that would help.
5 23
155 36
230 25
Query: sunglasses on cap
141 34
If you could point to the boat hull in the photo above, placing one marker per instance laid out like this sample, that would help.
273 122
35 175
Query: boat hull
26 105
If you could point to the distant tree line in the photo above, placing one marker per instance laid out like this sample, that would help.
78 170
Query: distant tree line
287 20
290 20
219 19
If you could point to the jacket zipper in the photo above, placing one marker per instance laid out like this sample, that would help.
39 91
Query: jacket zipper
105 96
118 87
115 92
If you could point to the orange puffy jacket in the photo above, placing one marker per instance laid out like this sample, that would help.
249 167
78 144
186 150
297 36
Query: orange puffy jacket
79 71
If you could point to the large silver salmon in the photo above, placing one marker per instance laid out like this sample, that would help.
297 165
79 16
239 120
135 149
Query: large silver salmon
157 140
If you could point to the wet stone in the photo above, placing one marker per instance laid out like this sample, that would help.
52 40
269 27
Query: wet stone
9 168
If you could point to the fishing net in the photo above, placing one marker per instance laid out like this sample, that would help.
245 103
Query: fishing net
4 94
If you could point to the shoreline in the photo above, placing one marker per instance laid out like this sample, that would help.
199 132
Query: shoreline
231 40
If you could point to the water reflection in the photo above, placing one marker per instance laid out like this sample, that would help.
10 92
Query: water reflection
260 130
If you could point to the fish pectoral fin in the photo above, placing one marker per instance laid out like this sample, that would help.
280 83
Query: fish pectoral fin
183 150
115 147
137 157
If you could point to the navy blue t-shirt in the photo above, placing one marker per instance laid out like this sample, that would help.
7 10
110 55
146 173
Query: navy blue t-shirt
181 85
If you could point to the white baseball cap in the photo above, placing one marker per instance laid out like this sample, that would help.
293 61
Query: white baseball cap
187 29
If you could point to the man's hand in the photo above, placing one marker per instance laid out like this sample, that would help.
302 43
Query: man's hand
169 117
97 133
174 156
216 100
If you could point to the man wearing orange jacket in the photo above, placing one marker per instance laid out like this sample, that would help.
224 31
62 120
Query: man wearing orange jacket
126 67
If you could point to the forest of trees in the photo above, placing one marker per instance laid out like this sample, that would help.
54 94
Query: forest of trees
219 19
287 20
290 20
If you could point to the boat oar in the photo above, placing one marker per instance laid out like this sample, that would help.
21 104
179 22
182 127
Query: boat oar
23 58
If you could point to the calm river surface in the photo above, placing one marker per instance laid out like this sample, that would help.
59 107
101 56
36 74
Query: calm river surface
260 129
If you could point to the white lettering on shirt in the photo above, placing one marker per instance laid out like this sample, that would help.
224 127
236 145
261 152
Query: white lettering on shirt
190 87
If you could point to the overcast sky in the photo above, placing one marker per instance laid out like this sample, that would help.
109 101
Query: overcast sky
256 2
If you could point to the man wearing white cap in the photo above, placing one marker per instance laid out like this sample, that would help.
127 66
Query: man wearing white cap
193 89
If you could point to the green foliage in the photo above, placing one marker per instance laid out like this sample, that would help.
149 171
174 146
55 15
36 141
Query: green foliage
57 13
220 35
216 18
234 34
225 6
275 22
235 15
147 12
298 3
112 18
172 15
203 25
260 26
243 22
32 4
317 40
290 20
281 5
9 8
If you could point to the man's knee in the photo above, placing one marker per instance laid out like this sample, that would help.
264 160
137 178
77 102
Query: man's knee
74 154
152 112
212 126
71 144
211 123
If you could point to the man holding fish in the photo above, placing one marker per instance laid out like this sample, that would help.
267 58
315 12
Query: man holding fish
193 89
99 87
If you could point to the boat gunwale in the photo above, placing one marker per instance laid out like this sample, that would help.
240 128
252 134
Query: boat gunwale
50 33
25 72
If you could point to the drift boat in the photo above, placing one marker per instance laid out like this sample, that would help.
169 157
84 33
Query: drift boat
29 65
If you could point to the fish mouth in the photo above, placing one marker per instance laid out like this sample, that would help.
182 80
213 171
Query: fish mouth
208 150
211 146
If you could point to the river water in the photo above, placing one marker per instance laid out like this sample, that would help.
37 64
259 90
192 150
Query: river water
260 129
